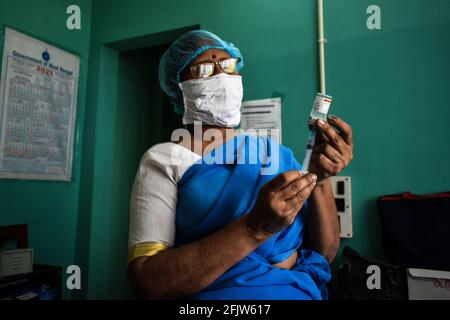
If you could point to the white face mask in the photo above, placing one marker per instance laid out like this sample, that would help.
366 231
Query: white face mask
215 100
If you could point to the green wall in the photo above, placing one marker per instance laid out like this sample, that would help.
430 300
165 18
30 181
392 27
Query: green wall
49 208
391 85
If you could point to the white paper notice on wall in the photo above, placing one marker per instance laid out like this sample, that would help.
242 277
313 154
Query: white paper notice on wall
38 99
262 117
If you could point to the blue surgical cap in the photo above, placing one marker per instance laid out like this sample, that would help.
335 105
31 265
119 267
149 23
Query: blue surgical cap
180 54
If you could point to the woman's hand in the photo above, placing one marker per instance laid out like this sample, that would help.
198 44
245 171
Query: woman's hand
279 201
333 150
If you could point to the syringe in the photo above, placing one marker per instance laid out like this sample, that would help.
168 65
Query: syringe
319 111
309 150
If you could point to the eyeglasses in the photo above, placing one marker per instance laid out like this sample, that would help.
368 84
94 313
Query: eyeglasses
206 69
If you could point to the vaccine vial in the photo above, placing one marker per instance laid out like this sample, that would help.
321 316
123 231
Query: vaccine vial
319 111
321 106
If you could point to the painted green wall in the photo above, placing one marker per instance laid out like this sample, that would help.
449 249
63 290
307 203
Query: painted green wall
390 84
49 208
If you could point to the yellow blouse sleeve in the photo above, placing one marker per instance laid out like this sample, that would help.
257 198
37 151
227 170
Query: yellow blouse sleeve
145 249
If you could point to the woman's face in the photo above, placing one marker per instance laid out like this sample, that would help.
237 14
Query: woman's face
210 55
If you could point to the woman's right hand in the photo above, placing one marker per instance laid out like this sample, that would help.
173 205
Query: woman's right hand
279 202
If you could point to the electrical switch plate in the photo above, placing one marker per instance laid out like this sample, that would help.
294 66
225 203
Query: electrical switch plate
342 190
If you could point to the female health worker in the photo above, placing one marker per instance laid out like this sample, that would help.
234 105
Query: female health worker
208 230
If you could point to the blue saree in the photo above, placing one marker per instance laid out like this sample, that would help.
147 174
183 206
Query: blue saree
212 195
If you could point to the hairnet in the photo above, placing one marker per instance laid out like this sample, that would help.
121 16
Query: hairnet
180 54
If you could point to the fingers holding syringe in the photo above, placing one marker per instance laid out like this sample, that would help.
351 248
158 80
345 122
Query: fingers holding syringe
344 128
330 152
327 166
295 187
334 138
321 138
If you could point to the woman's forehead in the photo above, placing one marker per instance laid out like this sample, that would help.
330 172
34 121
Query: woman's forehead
211 55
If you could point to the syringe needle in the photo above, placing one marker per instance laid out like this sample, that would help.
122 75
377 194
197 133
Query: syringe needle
309 149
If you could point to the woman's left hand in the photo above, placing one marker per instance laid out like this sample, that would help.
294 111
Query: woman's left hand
333 150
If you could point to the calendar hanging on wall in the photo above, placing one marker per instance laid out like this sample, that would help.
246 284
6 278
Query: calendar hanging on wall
38 99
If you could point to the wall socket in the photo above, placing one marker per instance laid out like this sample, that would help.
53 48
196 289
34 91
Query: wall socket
342 190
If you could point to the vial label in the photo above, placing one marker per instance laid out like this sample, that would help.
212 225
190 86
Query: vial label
321 104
